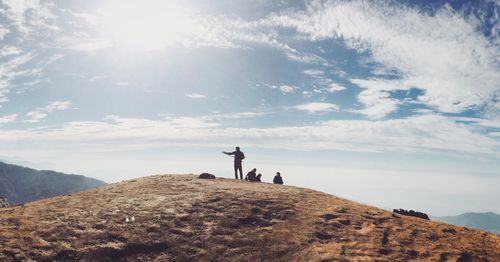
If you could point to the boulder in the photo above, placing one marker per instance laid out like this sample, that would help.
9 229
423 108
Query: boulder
411 213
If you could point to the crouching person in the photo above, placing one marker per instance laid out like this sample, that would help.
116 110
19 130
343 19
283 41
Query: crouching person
251 175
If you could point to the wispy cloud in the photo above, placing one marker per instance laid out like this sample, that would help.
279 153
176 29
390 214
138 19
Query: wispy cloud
287 89
42 112
378 103
196 95
9 51
317 107
35 116
97 78
3 32
29 15
491 123
10 69
313 72
8 118
284 89
423 133
445 54
122 83
334 87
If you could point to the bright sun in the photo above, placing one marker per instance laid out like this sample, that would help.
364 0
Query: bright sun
146 24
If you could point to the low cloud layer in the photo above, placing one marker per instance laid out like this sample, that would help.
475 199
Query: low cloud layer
425 133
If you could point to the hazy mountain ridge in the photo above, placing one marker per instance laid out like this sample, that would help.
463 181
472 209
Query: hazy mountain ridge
21 184
488 221
183 218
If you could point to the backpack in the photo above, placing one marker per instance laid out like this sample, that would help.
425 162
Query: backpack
206 176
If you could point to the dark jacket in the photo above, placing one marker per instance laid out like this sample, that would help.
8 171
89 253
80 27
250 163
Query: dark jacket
238 156
250 176
278 180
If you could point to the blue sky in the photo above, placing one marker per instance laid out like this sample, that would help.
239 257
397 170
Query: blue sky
390 103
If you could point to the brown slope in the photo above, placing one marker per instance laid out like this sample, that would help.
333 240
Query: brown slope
182 218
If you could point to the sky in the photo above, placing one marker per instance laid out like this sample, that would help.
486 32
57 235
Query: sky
389 103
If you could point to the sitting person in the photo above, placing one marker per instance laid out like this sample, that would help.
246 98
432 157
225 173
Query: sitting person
277 179
251 175
257 178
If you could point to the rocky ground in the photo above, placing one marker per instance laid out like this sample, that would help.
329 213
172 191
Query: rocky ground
183 218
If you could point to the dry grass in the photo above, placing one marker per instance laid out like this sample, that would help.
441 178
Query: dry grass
182 218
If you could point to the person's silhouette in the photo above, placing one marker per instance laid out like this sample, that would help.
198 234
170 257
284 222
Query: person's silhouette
278 179
238 157
258 178
251 175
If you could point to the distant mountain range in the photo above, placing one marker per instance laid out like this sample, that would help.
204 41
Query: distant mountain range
486 221
22 184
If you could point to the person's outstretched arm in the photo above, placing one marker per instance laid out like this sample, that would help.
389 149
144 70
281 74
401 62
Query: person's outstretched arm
229 153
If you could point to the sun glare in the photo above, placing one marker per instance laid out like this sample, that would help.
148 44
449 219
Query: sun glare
146 24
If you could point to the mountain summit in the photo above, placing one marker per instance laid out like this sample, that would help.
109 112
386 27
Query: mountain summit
183 218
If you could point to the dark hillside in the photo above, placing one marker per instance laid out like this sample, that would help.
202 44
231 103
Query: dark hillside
22 184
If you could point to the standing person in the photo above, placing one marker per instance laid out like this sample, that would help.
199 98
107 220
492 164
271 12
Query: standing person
238 157
278 179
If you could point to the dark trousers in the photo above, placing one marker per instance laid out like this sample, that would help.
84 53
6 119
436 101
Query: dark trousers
237 166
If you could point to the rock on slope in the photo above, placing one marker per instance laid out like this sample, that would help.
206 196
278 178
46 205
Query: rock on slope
22 184
182 218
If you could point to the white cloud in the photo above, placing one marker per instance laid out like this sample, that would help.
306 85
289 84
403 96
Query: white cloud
195 95
29 15
444 54
57 105
377 101
285 89
229 31
423 133
239 115
490 123
13 66
42 112
10 69
307 94
9 51
3 32
317 107
190 123
423 111
122 83
8 118
313 72
333 87
35 116
96 78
